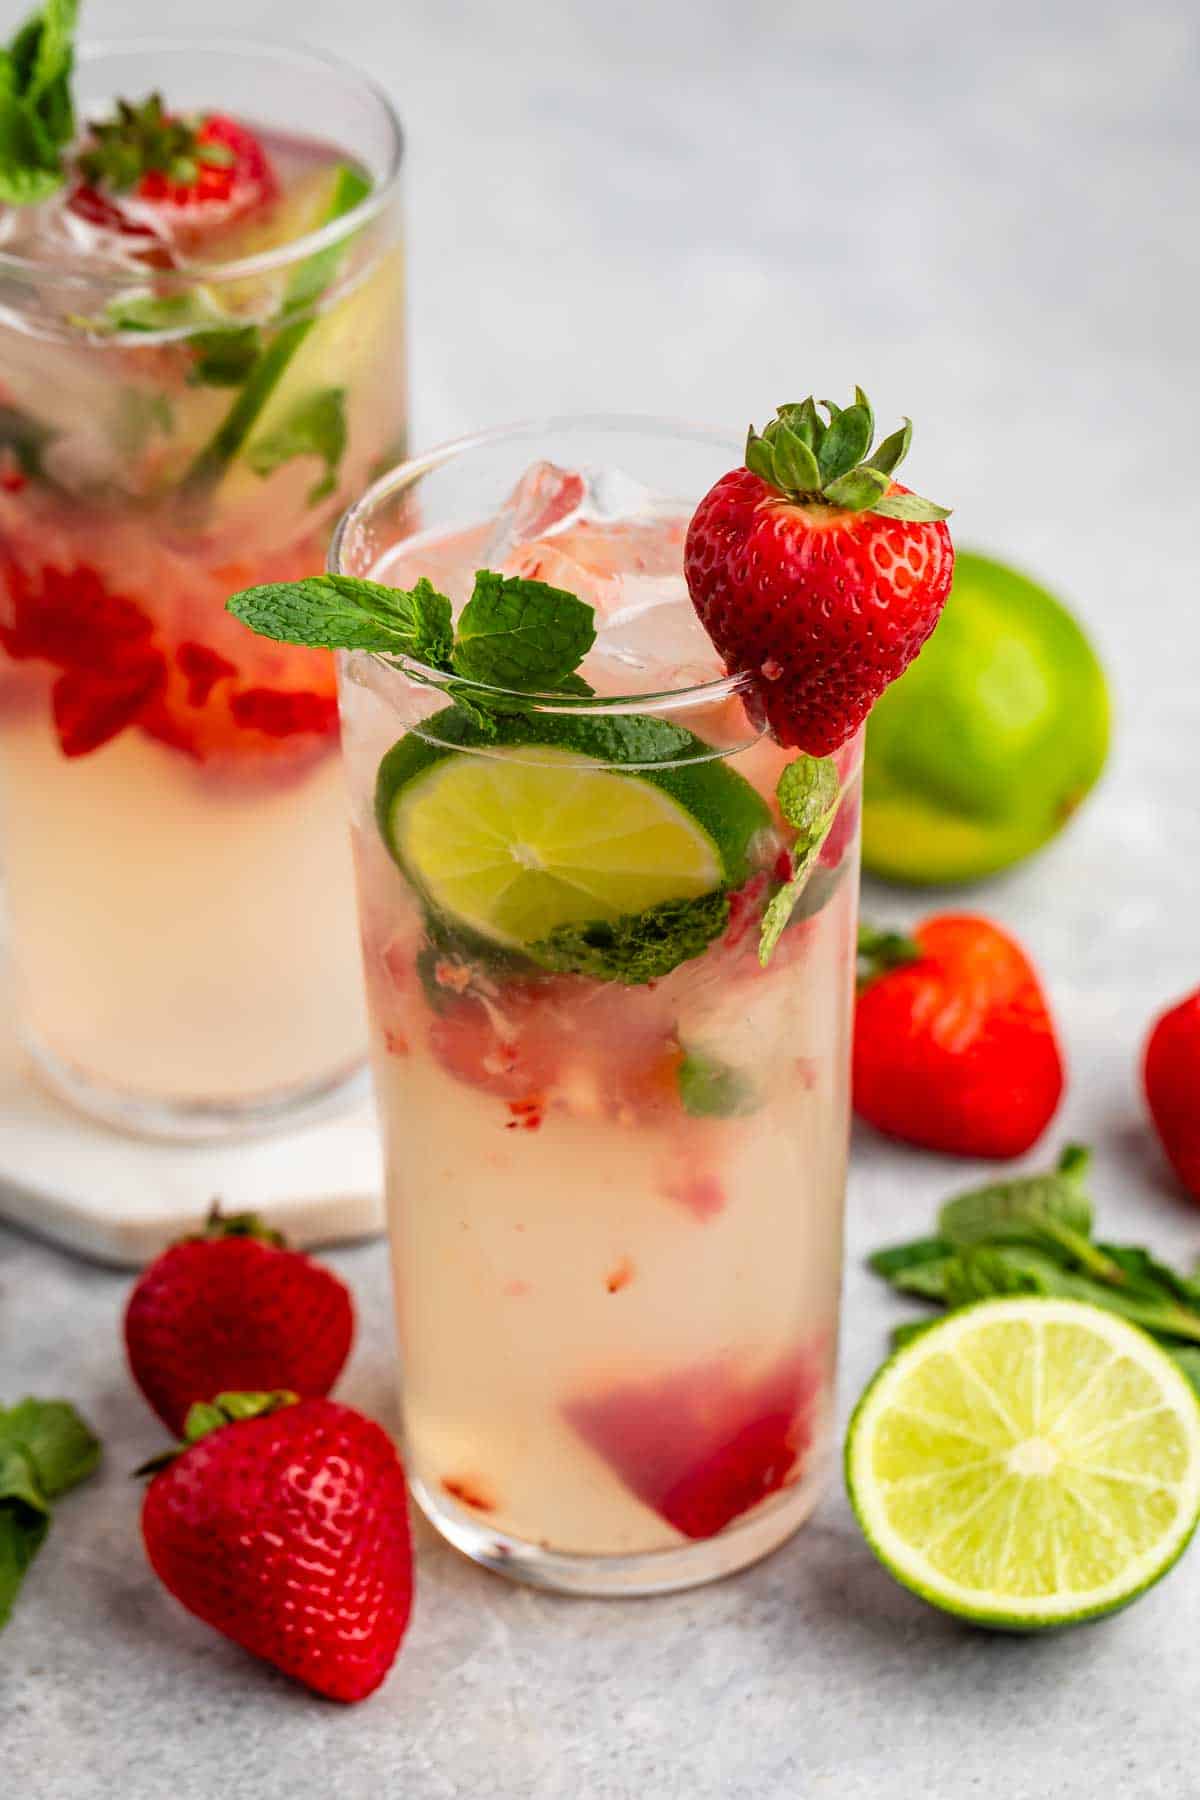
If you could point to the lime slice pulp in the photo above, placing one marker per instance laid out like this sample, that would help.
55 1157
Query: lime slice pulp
1027 1463
519 837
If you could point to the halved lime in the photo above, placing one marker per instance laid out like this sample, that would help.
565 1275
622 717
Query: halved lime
1027 1463
518 836
985 747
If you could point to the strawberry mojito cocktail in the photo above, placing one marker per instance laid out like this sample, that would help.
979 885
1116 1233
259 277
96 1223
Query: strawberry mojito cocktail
607 851
201 342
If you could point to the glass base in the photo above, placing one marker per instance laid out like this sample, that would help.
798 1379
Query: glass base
201 1121
615 1577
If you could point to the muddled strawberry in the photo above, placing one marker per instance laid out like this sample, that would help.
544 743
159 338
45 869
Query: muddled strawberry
705 1445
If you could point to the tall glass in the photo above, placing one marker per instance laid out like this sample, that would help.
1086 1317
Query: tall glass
179 884
615 1204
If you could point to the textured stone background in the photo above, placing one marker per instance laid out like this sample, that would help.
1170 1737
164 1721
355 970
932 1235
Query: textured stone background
988 217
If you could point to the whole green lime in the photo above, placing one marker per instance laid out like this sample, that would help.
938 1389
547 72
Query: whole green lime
988 743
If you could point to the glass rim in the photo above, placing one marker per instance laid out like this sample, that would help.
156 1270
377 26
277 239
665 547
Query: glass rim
95 50
393 483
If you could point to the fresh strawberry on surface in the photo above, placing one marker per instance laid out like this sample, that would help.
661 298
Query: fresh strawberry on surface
284 1525
1171 1077
954 1046
815 574
146 168
233 1308
705 1445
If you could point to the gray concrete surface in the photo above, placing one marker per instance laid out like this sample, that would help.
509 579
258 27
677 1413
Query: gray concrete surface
986 216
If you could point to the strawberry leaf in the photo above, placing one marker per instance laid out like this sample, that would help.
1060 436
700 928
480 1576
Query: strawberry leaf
857 490
795 465
893 450
37 118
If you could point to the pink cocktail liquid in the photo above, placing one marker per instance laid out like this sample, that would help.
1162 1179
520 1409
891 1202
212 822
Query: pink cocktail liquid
178 884
617 1320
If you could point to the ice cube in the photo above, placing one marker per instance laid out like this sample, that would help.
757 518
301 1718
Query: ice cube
652 640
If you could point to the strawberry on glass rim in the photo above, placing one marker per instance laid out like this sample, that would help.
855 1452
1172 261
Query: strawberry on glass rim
149 173
815 573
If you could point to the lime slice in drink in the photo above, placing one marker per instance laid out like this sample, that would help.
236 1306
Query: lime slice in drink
1027 1463
519 836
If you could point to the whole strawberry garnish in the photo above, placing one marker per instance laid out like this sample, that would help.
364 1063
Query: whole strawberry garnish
815 574
190 174
233 1308
284 1525
954 1047
1171 1075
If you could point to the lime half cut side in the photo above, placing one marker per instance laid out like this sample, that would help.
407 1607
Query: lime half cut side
1027 1463
515 849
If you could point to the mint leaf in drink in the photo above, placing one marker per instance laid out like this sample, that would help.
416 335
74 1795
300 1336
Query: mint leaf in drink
343 612
223 358
316 426
642 947
809 794
527 635
712 1089
24 439
37 117
45 1449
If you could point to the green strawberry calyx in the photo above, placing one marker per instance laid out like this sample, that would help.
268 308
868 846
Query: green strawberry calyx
830 462
879 952
206 1416
145 139
220 1225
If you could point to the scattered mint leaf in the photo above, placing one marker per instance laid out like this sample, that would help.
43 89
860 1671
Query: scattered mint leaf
45 1448
1033 1235
521 634
809 794
37 117
637 949
712 1089
60 1447
316 426
342 612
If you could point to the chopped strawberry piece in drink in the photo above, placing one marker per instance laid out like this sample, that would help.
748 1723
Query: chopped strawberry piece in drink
281 712
704 1446
702 1194
470 1491
90 709
202 668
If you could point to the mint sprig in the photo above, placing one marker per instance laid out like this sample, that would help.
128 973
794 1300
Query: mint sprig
638 948
521 636
809 794
45 1449
1033 1235
37 117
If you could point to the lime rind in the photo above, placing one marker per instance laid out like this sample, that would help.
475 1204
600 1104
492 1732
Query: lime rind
1125 1348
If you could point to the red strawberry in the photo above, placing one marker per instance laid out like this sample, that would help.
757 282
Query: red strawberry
184 176
1171 1075
815 574
954 1046
284 1525
233 1308
704 1446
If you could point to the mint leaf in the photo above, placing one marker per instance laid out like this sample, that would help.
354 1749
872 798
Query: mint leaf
26 439
37 118
712 1089
521 634
316 426
640 948
1031 1209
45 1448
342 612
224 358
900 1258
809 794
61 1449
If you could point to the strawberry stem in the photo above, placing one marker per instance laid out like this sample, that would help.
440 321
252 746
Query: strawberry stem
881 951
